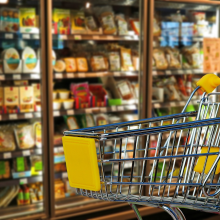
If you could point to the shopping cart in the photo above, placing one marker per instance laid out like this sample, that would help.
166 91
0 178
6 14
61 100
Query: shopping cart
169 162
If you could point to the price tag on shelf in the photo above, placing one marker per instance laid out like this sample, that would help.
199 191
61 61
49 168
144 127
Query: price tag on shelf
64 175
82 75
59 76
63 37
70 112
113 108
13 116
26 153
28 115
2 77
110 37
77 37
120 108
117 74
35 76
88 111
26 36
37 114
60 149
16 76
103 109
7 155
70 75
56 113
23 181
96 37
9 36
168 72
36 36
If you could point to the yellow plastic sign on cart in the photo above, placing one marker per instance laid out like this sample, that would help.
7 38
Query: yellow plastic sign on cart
81 162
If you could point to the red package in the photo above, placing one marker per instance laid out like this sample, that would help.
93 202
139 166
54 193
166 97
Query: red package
181 86
135 24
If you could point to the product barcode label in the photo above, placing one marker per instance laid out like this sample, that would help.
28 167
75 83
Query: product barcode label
9 36
26 153
77 37
2 77
23 181
69 75
7 155
64 175
70 112
28 115
13 116
26 36
17 76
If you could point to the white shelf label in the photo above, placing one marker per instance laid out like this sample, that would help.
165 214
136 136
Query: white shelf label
96 37
120 108
26 153
56 113
23 181
7 155
13 116
64 175
9 36
103 109
28 115
17 76
77 37
2 77
59 76
35 76
70 75
60 149
70 112
36 36
117 74
88 110
113 108
82 75
26 36
109 37
63 37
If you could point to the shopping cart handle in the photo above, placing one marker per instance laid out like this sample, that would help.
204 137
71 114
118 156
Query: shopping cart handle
209 82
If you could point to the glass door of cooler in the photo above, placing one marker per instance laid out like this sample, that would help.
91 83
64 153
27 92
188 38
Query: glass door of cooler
177 59
23 148
93 80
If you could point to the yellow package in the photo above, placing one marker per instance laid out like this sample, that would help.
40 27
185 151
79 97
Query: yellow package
82 64
126 61
201 161
160 59
70 64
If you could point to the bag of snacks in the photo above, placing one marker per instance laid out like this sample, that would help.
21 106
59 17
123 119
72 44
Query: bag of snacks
126 61
160 59
114 61
173 55
122 24
70 64
82 65
71 122
99 62
125 89
101 119
25 136
7 142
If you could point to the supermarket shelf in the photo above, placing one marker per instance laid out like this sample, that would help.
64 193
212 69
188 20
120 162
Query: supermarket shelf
23 76
18 116
16 211
180 38
176 72
21 153
95 110
21 181
93 75
13 36
100 37
172 104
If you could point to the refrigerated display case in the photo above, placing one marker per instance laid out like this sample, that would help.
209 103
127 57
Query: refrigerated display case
23 145
94 79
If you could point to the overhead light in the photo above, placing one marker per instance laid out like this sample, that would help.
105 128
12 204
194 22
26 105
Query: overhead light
3 1
88 5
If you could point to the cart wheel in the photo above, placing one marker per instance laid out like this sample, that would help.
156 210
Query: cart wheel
137 213
174 212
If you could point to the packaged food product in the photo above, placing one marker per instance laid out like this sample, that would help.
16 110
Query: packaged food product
7 194
156 28
122 24
70 191
20 164
59 189
68 103
38 134
99 62
21 83
54 57
135 60
60 167
114 61
160 59
61 21
30 58
99 95
125 89
27 19
25 136
91 23
101 119
26 195
70 64
37 92
39 194
60 66
11 56
20 197
174 60
11 99
82 65
55 94
78 21
181 86
57 104
36 162
89 120
26 98
7 141
1 99
63 93
126 62
9 21
5 171
106 18
72 122
33 196
135 24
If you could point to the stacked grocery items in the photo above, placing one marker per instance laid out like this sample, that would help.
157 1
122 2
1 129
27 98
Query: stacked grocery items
63 189
95 20
20 97
174 88
16 20
14 62
112 58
